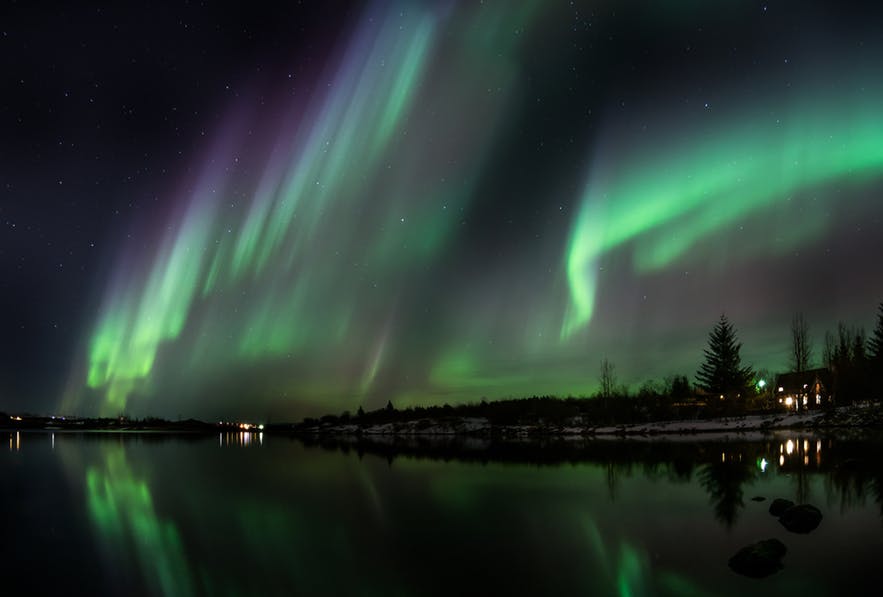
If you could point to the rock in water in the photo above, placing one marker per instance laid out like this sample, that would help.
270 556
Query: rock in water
801 519
758 498
759 559
778 507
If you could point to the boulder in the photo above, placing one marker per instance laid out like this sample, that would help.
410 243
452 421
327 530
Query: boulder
758 498
759 559
801 519
778 507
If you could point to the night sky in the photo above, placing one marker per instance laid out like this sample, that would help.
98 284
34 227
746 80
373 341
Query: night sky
212 211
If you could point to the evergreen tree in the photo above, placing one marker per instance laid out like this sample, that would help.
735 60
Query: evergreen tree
875 355
722 372
846 356
875 344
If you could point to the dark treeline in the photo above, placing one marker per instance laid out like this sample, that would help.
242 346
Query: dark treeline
120 423
649 404
852 369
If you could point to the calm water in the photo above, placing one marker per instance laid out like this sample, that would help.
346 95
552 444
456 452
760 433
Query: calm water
233 515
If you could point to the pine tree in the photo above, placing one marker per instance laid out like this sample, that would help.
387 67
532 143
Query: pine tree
875 344
875 354
722 372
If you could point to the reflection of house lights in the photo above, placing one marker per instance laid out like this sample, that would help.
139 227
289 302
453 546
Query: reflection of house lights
781 460
789 447
763 465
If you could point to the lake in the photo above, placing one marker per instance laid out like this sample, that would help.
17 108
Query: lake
236 514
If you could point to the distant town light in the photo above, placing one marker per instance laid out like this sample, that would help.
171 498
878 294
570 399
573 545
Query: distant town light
789 401
781 389
761 384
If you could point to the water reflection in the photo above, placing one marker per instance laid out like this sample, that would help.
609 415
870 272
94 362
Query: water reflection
215 515
724 483
852 469
240 438
121 506
630 571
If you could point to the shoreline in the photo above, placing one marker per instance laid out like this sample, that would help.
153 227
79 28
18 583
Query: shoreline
847 418
855 418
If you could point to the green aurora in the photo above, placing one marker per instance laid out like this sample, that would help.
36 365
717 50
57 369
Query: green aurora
325 257
670 195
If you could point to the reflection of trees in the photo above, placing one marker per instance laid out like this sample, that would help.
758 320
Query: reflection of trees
849 473
611 481
681 470
801 484
853 481
723 481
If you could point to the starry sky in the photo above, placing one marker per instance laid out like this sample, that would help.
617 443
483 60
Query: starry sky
272 212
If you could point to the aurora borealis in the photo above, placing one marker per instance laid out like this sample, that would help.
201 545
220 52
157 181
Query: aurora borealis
309 210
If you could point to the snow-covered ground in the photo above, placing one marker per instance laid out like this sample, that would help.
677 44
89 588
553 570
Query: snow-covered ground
844 417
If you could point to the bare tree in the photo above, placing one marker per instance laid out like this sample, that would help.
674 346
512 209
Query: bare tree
801 350
830 353
607 379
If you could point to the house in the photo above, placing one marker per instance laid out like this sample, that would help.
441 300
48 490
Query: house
804 390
